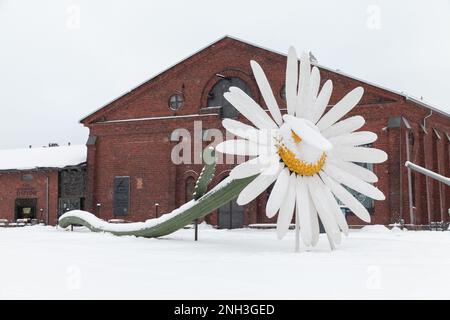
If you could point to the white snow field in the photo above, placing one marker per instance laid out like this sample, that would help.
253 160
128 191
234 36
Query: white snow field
373 263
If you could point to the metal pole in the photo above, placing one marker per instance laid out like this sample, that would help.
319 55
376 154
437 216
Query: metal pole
196 229
428 173
331 242
297 231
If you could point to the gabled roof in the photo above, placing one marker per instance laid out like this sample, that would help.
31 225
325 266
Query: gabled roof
35 158
227 37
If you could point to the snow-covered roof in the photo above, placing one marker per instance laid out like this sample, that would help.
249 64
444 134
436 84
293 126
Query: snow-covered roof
50 157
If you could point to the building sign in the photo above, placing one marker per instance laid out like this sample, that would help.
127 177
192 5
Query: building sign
121 196
26 192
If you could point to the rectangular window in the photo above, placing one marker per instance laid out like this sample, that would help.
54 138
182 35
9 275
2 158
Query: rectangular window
121 196
367 202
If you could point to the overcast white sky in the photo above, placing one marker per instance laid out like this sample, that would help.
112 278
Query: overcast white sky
56 68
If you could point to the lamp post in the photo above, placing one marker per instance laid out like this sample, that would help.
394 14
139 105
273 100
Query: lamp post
99 206
156 209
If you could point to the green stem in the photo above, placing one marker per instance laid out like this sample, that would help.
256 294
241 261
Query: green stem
211 201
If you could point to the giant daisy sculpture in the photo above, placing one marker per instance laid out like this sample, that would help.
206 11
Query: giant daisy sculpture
308 155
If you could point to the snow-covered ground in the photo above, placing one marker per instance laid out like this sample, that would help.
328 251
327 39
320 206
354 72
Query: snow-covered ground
45 262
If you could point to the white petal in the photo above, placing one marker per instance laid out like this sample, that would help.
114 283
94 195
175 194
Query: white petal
326 216
303 85
287 209
253 166
307 133
248 132
346 198
257 186
278 194
291 81
353 182
360 154
322 101
354 139
266 92
314 84
249 108
334 206
345 126
302 202
341 108
356 170
242 148
314 220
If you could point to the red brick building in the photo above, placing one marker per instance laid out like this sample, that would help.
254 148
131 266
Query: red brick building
129 167
38 184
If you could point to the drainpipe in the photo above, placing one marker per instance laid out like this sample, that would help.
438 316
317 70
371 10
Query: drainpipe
47 200
410 190
427 179
425 119
400 172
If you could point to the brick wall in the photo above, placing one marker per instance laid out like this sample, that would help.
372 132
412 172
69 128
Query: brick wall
16 187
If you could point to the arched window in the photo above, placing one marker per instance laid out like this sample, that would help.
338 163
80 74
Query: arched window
216 98
190 188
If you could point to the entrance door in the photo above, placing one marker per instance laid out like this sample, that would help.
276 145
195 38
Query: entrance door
26 208
231 216
68 204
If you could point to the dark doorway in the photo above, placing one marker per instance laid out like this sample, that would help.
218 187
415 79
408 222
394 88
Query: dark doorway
26 208
231 216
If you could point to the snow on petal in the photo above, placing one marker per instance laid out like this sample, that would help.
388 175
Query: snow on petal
303 85
360 154
341 108
249 108
322 101
302 207
346 198
345 126
257 186
287 209
307 132
242 148
355 138
266 92
278 193
353 182
355 169
291 81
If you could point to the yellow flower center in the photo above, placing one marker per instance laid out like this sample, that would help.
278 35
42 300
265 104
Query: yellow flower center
300 167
